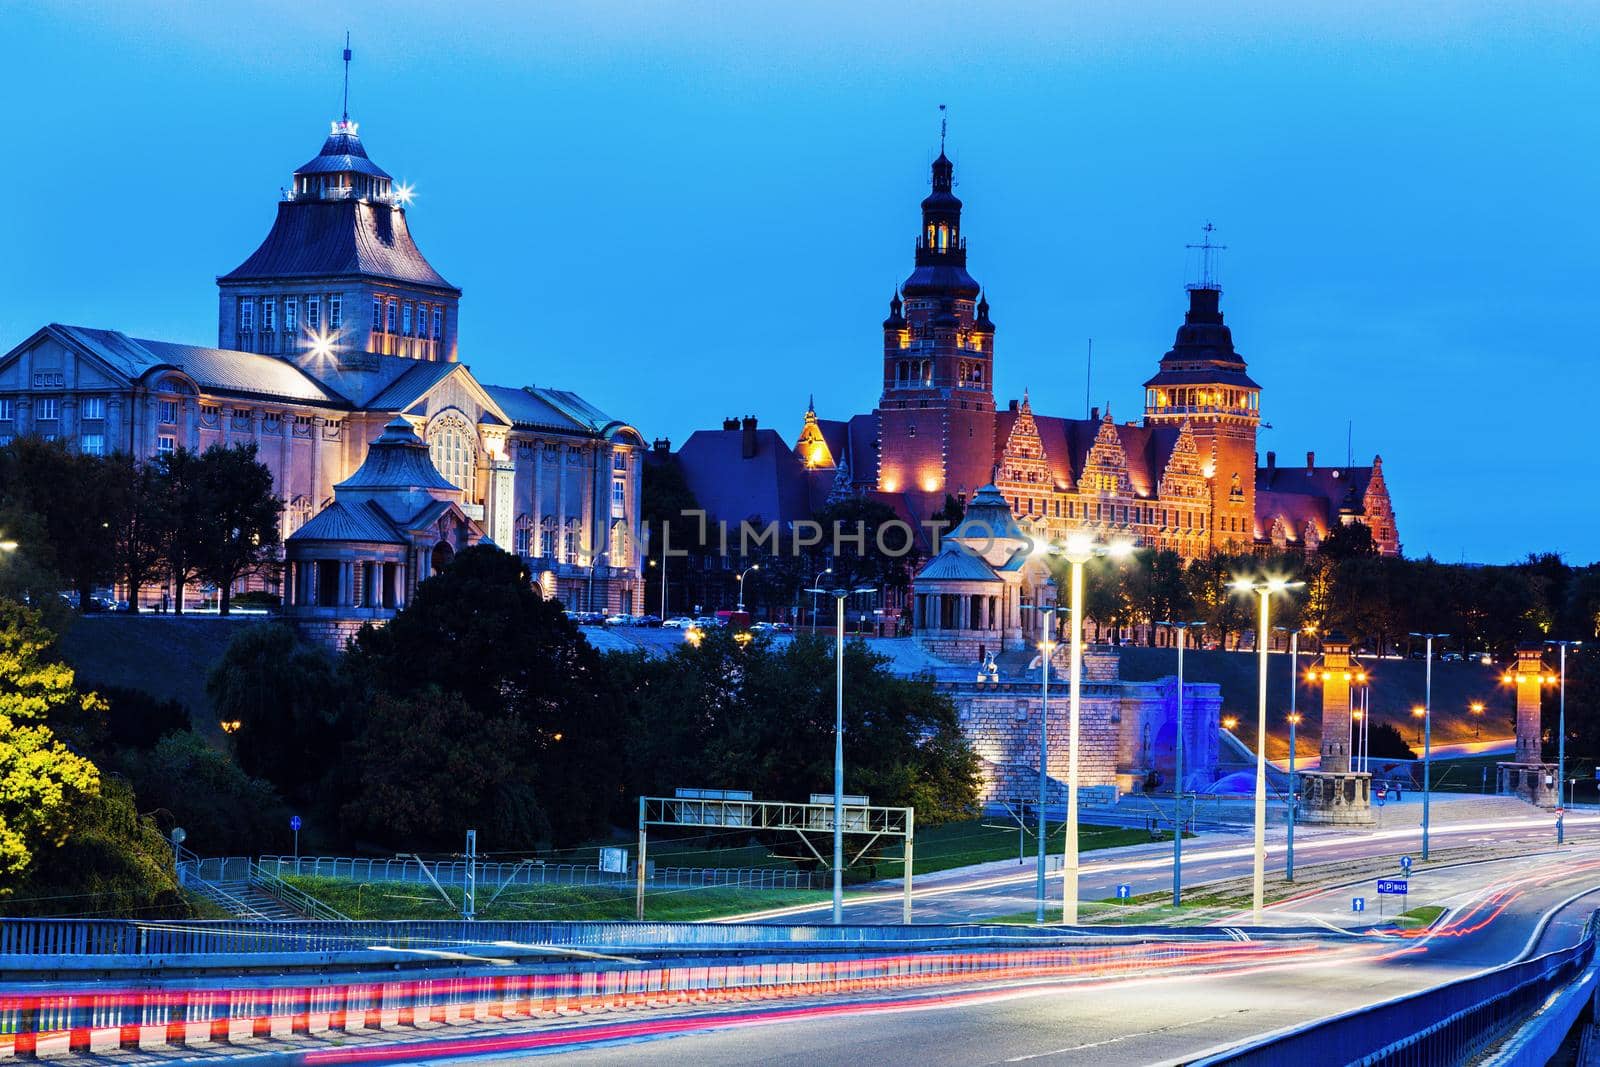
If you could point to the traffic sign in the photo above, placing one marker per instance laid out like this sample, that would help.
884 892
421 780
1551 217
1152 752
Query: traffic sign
1358 903
294 822
1395 887
1124 891
1405 864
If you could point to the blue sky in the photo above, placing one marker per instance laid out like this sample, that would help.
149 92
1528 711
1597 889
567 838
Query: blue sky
686 211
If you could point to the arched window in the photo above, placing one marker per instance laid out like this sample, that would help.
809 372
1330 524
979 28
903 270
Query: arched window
547 539
523 536
453 448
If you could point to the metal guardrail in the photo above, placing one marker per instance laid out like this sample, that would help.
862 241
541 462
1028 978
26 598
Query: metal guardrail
293 897
495 874
1445 1025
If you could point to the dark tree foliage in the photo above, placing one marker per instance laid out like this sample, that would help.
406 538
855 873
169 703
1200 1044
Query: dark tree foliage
1348 541
185 781
1386 742
135 719
237 532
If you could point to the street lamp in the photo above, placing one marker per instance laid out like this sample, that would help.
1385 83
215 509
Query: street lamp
1561 741
8 546
839 596
1427 735
1182 629
817 581
1294 795
747 570
1476 708
1079 549
1230 722
1046 647
663 585
1263 588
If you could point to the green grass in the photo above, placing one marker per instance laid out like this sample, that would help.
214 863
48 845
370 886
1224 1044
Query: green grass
961 844
1422 916
408 900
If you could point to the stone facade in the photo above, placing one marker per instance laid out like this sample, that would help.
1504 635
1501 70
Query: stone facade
1334 793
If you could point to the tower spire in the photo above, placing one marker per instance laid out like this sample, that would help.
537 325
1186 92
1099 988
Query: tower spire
1208 258
346 115
943 126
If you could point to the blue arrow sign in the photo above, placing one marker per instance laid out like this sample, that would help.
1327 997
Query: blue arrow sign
1395 887
1358 903
294 822
1405 864
1124 891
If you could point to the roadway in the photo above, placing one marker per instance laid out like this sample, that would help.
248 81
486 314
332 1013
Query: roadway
1502 909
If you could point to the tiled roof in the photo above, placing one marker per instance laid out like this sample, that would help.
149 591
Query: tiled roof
954 563
337 238
342 153
770 486
403 391
398 459
550 409
1333 484
214 369
349 522
1295 509
1067 442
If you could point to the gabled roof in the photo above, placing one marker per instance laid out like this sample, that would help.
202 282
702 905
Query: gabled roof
1295 509
1067 442
770 486
551 409
404 390
244 374
349 522
337 239
1336 485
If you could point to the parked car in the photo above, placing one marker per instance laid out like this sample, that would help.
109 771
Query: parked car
678 622
647 620
619 620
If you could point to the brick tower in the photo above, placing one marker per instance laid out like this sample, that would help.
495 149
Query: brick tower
1529 776
936 414
1333 792
1204 381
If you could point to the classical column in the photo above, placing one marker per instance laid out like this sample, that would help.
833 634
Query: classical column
315 438
561 504
537 500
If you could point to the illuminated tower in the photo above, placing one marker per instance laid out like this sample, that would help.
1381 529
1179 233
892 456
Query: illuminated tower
1529 776
936 415
338 277
1203 380
1334 793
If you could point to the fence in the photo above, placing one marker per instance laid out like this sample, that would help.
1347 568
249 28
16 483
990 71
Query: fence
454 872
1447 1024
146 1015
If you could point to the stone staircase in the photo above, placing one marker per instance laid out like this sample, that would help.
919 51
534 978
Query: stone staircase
243 900
245 890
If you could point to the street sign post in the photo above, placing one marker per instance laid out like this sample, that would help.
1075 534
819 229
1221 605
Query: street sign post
294 824
1124 891
614 860
1358 904
1394 887
1405 864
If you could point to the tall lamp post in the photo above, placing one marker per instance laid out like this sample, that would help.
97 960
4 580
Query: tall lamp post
1427 735
1263 588
839 596
663 566
1079 549
1182 629
747 570
1561 741
815 584
1294 796
1046 647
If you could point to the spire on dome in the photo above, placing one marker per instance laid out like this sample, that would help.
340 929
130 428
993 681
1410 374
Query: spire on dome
346 115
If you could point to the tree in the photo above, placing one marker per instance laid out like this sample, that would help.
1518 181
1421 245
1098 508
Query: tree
42 782
286 697
181 510
479 631
1348 540
189 783
66 490
135 511
238 513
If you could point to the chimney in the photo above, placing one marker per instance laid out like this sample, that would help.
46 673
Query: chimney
1013 407
730 424
747 443
1272 462
1311 462
1094 414
661 445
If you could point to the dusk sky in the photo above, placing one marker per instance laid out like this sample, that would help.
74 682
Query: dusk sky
690 211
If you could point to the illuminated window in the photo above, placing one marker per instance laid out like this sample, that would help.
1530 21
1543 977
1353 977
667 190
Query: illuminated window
524 535
166 445
168 411
291 307
335 312
94 444
8 409
93 407
48 408
314 312
269 314
377 314
405 319
451 446
389 312
438 323
619 496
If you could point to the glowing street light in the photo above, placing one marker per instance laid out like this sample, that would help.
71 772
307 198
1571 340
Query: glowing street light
1230 722
747 570
1264 588
1079 549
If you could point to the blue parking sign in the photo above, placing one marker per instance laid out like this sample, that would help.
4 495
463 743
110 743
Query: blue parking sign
1358 903
1393 886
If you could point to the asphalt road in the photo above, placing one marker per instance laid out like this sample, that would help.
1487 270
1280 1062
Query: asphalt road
1158 1019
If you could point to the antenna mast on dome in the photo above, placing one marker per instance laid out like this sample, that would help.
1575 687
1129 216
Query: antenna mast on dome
1208 259
943 127
346 116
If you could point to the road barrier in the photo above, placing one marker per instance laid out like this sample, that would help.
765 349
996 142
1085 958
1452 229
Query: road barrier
229 1009
1445 1025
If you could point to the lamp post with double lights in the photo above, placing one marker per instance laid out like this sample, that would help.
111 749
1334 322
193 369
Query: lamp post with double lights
747 570
839 596
1182 629
1561 739
1427 734
1263 588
